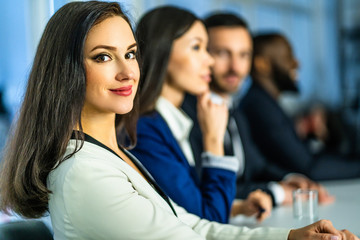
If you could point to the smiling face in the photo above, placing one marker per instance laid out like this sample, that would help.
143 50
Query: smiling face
231 48
112 71
189 63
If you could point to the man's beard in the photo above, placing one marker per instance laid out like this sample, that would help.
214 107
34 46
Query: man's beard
283 80
216 87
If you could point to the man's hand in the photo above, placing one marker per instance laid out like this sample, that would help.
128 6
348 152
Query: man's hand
257 203
295 181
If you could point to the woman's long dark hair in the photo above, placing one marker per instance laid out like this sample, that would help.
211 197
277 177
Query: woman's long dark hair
52 106
156 32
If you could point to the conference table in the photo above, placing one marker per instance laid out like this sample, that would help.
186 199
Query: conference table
344 213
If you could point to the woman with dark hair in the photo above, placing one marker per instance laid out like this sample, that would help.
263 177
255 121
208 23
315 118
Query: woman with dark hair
175 61
63 155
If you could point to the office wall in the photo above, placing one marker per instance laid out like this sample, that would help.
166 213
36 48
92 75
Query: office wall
310 26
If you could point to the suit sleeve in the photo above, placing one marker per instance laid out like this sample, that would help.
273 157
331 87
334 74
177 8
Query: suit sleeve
210 198
214 230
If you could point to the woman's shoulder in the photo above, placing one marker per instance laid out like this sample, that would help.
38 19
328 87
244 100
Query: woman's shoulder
91 169
89 159
150 121
150 117
91 183
90 153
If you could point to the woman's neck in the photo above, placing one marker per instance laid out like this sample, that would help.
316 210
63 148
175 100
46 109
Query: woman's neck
173 95
102 128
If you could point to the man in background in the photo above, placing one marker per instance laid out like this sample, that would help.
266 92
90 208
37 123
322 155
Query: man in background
274 70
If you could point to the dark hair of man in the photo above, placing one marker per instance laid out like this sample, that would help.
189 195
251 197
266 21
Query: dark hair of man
224 19
262 42
51 108
156 32
265 40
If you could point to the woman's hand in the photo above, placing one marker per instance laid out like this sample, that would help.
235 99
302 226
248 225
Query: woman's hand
321 230
257 203
213 120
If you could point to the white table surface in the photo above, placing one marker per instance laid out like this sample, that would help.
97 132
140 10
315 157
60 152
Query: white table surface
344 212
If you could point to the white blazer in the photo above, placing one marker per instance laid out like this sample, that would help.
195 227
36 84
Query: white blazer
96 195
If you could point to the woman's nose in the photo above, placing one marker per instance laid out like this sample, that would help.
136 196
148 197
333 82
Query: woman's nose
125 72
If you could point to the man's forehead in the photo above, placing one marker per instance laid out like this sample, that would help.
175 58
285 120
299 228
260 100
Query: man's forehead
231 38
228 29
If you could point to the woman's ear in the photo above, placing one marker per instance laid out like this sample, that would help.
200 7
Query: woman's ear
262 66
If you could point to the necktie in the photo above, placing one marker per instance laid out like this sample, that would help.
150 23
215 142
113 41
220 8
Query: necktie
233 143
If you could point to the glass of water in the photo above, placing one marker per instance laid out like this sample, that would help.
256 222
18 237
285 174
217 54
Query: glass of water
305 206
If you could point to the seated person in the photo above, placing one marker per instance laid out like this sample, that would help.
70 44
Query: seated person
274 71
182 66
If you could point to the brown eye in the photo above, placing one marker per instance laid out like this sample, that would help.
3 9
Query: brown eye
130 55
102 58
196 47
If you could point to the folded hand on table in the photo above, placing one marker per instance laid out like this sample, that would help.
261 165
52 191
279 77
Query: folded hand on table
257 203
295 181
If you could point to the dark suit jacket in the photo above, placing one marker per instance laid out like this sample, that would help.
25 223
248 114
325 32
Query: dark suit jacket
257 173
275 136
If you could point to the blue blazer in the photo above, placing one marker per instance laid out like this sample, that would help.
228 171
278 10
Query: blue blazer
275 135
209 197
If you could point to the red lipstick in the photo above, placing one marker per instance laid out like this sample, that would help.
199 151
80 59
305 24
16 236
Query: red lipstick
123 91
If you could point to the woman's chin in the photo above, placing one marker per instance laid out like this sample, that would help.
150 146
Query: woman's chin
123 111
200 91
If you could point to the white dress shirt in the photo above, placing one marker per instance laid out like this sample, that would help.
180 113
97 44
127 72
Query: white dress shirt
180 125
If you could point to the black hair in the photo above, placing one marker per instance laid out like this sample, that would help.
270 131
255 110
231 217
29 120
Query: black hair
156 32
224 19
263 40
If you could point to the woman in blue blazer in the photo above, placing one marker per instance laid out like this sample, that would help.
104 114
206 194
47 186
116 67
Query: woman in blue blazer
175 62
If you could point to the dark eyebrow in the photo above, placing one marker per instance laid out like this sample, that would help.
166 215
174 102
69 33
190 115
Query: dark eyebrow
197 39
105 47
111 47
132 45
221 49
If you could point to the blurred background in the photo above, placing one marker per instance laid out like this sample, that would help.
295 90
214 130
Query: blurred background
325 35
